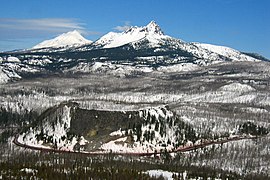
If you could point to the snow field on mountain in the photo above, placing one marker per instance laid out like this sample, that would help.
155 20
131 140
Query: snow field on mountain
227 52
152 32
121 39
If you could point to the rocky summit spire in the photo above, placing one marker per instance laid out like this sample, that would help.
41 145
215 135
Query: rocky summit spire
153 27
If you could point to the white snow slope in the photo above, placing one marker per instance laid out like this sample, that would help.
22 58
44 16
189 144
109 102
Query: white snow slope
227 52
72 38
152 32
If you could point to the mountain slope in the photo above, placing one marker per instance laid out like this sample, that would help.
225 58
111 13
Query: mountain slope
256 56
72 38
227 52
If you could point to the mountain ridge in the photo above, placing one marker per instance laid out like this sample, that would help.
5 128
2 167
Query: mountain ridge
137 50
149 36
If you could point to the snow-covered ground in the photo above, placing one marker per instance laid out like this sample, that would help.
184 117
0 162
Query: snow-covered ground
156 173
214 101
179 67
29 170
237 87
110 69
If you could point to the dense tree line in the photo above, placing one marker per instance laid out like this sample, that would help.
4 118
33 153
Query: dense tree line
9 118
12 122
48 165
253 129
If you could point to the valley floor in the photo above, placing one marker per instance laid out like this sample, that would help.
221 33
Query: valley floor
212 102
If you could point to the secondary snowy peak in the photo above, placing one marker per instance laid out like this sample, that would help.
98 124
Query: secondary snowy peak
226 52
72 38
151 31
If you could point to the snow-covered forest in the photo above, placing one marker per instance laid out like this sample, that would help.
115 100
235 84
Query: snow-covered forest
211 104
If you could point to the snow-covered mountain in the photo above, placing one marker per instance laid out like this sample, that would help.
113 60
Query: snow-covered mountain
72 38
152 41
152 32
137 50
138 44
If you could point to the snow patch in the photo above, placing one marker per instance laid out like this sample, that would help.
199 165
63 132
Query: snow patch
179 67
29 170
117 133
13 59
237 87
158 172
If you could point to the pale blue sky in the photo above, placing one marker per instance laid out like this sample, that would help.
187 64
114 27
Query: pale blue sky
240 24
